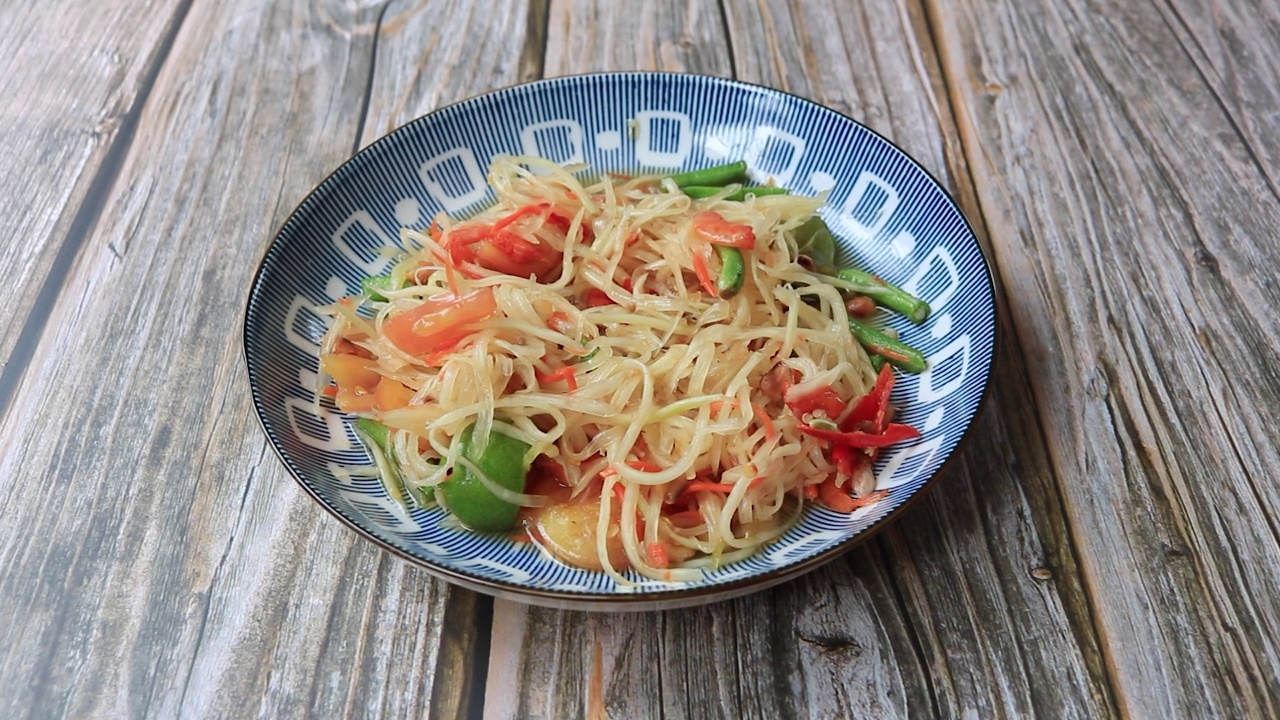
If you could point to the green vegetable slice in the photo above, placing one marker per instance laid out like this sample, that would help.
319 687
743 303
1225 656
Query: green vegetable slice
376 438
373 287
705 191
465 495
815 240
718 175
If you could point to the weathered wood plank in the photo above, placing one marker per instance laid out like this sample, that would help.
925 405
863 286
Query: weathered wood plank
70 91
1125 162
971 605
587 36
158 559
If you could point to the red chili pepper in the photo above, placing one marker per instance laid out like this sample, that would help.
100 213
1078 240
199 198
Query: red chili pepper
873 407
895 432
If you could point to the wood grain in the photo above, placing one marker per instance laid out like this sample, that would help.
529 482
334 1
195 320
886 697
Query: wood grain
972 605
592 36
158 559
1125 165
74 85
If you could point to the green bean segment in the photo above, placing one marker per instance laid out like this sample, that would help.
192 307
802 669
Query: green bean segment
887 294
898 353
718 175
732 271
706 191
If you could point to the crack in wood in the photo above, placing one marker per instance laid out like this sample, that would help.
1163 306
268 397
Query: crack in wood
85 219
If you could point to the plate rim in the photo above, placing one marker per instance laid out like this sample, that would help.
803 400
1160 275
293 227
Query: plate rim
676 595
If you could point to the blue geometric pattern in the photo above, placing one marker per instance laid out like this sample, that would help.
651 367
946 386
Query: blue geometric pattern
889 215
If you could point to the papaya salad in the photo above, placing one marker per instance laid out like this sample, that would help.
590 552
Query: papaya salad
647 373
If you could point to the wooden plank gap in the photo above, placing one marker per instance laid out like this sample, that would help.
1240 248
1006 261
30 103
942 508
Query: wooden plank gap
1088 629
900 601
368 84
462 670
533 56
728 41
85 220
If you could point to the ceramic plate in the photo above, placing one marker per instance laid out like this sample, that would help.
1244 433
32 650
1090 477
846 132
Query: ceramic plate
890 217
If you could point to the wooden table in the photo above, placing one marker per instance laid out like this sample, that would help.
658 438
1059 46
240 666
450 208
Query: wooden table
1108 544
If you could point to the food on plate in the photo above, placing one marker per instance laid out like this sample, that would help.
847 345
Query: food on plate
654 373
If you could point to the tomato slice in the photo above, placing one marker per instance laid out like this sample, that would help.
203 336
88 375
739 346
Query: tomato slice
713 228
391 395
507 246
440 322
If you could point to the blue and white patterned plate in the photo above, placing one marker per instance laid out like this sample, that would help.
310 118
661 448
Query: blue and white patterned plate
890 215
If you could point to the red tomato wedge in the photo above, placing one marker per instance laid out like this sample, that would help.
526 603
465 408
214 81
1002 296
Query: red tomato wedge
509 245
712 227
440 322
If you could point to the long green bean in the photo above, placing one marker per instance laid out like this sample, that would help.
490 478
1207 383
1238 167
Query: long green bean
887 294
705 191
897 352
718 175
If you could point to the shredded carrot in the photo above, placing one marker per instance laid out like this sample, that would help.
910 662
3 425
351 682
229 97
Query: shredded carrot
451 275
717 404
704 275
755 483
770 432
619 491
568 374
329 391
704 486
811 492
686 516
658 555
519 213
